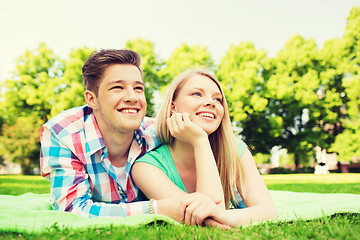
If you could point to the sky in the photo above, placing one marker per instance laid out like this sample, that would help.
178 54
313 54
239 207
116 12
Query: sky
69 24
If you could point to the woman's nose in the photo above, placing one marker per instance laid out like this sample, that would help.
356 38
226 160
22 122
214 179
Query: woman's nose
209 102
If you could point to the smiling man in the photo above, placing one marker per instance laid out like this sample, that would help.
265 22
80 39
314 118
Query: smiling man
87 152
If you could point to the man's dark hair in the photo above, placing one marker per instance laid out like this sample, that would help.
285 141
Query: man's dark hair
98 61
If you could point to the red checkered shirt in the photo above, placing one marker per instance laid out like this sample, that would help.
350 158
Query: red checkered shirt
75 160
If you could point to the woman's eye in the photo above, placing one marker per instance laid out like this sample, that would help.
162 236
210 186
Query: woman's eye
196 94
218 100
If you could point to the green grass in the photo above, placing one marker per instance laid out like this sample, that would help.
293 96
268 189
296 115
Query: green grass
330 183
20 184
338 226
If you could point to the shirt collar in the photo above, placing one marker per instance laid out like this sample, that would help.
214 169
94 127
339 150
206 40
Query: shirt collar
94 139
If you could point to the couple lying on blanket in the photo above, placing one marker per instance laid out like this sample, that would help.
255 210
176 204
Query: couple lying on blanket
107 159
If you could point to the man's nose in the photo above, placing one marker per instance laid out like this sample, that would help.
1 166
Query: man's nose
131 96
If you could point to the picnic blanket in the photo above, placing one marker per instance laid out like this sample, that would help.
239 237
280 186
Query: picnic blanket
33 213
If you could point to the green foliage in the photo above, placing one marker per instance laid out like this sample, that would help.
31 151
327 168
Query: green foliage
287 159
292 83
261 158
302 98
151 65
347 143
42 86
20 143
240 73
31 90
69 90
186 57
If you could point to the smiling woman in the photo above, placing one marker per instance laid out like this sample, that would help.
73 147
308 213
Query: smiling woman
202 99
201 162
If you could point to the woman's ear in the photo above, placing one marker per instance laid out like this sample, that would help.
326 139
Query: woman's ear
173 109
91 99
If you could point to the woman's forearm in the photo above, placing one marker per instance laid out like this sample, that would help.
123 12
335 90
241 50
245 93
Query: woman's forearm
241 217
207 175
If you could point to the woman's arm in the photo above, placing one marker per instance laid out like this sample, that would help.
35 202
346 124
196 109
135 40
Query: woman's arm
256 196
170 198
207 175
154 183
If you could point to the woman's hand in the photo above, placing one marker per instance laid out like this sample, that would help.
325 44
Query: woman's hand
171 207
200 210
182 128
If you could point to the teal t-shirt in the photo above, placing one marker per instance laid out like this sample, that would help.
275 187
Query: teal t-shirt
161 157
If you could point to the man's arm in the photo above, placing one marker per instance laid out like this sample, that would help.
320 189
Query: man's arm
69 182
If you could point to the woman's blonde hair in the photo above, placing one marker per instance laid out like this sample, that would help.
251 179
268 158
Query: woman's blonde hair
222 141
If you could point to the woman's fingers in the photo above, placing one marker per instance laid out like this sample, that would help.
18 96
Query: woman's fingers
181 127
189 212
212 223
175 123
178 118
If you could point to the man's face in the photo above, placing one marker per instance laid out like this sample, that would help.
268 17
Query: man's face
120 105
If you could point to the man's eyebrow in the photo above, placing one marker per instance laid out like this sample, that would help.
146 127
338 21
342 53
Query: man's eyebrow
123 81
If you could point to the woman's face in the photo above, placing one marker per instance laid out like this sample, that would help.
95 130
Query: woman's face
202 99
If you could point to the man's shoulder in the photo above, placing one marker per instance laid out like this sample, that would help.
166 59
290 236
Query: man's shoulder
147 131
73 120
148 122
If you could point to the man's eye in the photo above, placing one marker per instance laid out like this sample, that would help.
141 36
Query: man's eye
117 87
139 89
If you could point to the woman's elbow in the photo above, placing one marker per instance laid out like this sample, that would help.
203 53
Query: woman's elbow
272 212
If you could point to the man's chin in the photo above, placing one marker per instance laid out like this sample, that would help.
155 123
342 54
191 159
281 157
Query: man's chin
132 127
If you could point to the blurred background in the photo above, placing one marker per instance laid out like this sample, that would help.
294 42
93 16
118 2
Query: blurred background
289 69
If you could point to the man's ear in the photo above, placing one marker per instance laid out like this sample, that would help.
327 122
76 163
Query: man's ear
91 99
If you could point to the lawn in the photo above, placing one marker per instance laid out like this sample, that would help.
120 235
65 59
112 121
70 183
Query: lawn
338 226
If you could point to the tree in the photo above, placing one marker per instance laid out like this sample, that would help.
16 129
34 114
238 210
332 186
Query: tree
20 143
31 90
347 144
150 64
1 126
186 57
240 73
70 88
42 86
305 96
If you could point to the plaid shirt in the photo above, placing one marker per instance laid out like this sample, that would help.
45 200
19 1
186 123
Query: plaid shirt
75 160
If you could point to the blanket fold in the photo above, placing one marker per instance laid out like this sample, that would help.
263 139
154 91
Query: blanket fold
33 212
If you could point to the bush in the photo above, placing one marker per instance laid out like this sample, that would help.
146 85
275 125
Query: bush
261 158
282 170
